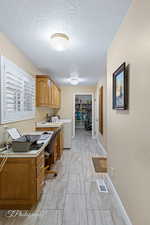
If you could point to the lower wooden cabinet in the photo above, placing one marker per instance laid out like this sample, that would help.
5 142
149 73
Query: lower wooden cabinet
61 143
21 182
22 178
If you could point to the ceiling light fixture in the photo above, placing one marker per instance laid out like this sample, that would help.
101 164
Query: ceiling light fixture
60 41
74 78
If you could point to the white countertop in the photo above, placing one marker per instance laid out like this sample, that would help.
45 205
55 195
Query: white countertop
49 124
33 153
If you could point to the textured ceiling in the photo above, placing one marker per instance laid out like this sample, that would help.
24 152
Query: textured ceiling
90 24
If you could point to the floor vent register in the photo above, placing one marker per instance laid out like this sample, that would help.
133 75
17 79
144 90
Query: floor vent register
102 186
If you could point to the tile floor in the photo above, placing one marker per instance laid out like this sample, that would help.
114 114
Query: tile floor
73 198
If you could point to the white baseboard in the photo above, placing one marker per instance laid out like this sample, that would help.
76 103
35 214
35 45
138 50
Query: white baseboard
122 209
101 146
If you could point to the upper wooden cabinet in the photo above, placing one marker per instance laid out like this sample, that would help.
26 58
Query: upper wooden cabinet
55 96
42 91
47 93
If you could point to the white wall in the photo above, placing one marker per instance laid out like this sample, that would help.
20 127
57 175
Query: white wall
67 93
8 49
128 141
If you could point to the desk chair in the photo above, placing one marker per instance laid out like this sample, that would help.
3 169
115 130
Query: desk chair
51 153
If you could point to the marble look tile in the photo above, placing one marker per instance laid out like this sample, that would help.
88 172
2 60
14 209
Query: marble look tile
5 218
76 164
72 198
56 186
95 199
52 200
37 217
24 219
50 217
97 217
76 184
116 213
75 212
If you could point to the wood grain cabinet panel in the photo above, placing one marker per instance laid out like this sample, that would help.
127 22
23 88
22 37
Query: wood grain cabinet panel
14 181
53 94
57 97
50 97
47 93
42 91
21 182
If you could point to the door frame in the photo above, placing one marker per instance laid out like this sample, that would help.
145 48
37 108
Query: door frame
73 116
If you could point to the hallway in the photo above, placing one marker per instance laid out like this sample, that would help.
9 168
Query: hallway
73 198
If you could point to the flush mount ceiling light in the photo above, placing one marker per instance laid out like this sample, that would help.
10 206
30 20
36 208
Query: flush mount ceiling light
74 79
60 41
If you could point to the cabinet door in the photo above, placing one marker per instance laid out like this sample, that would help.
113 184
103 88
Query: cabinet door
58 98
55 96
42 91
54 103
50 93
18 183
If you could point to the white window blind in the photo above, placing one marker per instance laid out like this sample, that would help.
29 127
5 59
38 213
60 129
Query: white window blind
17 93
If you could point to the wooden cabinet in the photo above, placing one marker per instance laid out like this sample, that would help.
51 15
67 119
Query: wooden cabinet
40 175
42 91
47 93
61 142
55 96
21 182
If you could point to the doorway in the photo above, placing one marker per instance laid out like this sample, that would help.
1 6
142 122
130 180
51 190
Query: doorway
83 113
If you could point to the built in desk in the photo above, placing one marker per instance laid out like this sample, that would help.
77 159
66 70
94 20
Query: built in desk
22 178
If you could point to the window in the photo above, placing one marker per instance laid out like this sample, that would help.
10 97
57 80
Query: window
17 93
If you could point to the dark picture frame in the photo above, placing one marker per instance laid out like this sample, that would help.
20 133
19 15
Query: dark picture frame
120 88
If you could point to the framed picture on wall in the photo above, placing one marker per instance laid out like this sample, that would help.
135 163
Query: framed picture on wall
120 88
